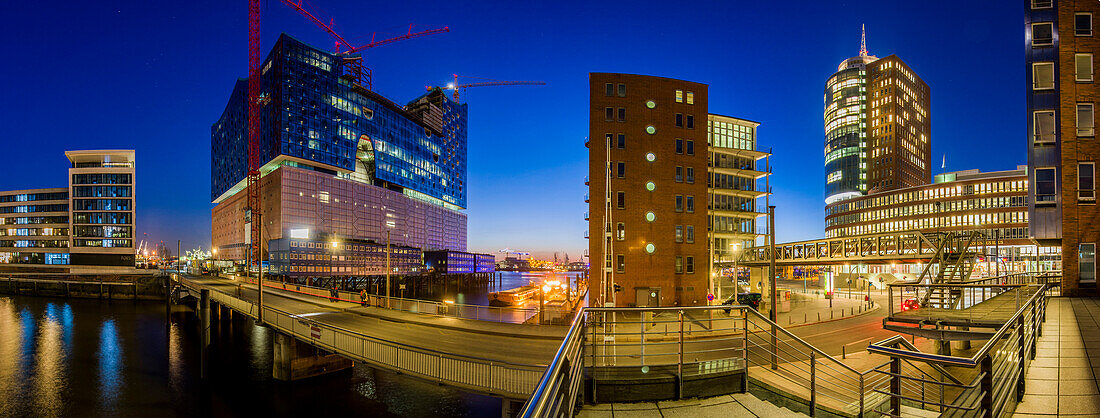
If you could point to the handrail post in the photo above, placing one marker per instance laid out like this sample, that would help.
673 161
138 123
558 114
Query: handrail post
680 364
1022 358
862 391
895 386
813 383
987 385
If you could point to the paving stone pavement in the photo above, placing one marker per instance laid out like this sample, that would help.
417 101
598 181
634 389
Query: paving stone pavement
735 405
1063 378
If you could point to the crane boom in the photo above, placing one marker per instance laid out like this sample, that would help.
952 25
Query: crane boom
455 86
327 27
373 43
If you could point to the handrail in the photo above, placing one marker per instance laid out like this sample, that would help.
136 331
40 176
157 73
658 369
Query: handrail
541 404
803 342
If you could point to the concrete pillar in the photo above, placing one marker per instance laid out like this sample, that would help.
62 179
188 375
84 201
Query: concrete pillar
943 348
295 360
964 344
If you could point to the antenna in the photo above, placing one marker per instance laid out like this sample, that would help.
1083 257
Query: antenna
863 40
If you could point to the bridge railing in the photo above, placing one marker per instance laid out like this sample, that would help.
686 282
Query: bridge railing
914 298
986 384
475 373
501 314
900 245
688 344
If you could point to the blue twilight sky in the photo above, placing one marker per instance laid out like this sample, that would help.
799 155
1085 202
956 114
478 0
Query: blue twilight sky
153 76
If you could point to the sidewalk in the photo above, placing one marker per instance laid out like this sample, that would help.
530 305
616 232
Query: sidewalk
735 405
1062 380
808 308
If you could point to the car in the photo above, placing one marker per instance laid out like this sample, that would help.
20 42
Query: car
751 300
910 304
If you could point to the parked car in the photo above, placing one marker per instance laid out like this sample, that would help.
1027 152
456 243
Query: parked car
751 300
909 304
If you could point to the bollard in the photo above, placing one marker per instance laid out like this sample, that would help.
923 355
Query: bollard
819 317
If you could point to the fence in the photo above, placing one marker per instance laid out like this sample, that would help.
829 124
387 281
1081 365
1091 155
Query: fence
472 373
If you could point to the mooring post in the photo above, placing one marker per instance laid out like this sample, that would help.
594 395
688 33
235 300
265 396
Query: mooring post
204 321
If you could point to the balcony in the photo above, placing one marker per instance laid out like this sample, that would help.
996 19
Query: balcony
586 216
585 180
586 234
586 141
586 198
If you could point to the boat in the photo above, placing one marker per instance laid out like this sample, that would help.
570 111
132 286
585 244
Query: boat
513 297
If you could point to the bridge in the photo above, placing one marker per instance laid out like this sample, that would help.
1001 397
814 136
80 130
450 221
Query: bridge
884 248
435 348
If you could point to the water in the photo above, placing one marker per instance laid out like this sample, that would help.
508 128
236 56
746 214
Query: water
479 295
73 357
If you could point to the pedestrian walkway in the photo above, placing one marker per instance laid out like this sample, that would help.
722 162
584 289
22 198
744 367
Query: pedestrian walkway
735 405
1062 380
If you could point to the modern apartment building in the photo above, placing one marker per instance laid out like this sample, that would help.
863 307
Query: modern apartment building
1060 49
877 128
339 162
651 239
85 228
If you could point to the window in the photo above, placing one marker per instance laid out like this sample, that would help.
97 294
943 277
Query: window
689 264
679 264
620 231
1042 4
690 147
621 169
689 234
679 233
1086 182
690 98
1043 127
1042 34
622 90
1086 262
690 175
609 89
608 136
620 263
679 203
620 200
679 120
690 204
691 121
679 174
679 146
1046 186
622 141
622 114
1042 76
1086 122
1082 24
610 113
679 96
1083 63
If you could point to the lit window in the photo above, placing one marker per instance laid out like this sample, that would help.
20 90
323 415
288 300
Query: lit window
1085 120
650 157
1042 75
620 231
1043 127
649 216
650 186
679 96
1082 24
650 104
650 130
690 98
679 233
650 248
1042 34
1083 63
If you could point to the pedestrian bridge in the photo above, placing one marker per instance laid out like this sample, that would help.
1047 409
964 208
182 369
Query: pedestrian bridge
885 248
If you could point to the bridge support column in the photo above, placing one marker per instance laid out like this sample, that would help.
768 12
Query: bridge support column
510 407
964 344
943 348
295 360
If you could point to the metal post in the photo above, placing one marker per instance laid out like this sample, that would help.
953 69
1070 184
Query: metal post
987 385
813 383
680 363
177 256
771 281
1020 385
388 290
895 386
204 333
541 302
260 268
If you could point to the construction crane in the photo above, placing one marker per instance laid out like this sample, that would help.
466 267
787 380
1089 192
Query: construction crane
455 86
354 68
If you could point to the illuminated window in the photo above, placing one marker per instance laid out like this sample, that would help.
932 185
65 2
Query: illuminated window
679 96
650 104
1042 75
679 233
650 157
650 248
650 130
690 98
650 186
1083 64
649 216
620 231
679 264
1086 121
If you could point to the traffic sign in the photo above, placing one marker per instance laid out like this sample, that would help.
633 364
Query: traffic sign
710 297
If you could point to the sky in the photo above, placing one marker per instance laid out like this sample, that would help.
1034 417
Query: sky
153 76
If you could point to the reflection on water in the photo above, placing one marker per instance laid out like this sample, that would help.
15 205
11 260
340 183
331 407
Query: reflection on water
110 364
98 358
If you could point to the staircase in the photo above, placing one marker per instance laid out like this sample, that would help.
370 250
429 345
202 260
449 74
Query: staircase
956 259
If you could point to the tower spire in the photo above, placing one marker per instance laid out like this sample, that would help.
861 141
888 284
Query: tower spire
863 40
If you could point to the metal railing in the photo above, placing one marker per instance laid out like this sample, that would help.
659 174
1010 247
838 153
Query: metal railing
994 374
692 343
474 373
511 315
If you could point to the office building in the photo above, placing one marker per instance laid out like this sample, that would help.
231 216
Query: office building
877 128
652 240
1060 48
85 228
339 162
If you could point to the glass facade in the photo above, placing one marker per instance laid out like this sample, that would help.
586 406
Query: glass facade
318 118
846 131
